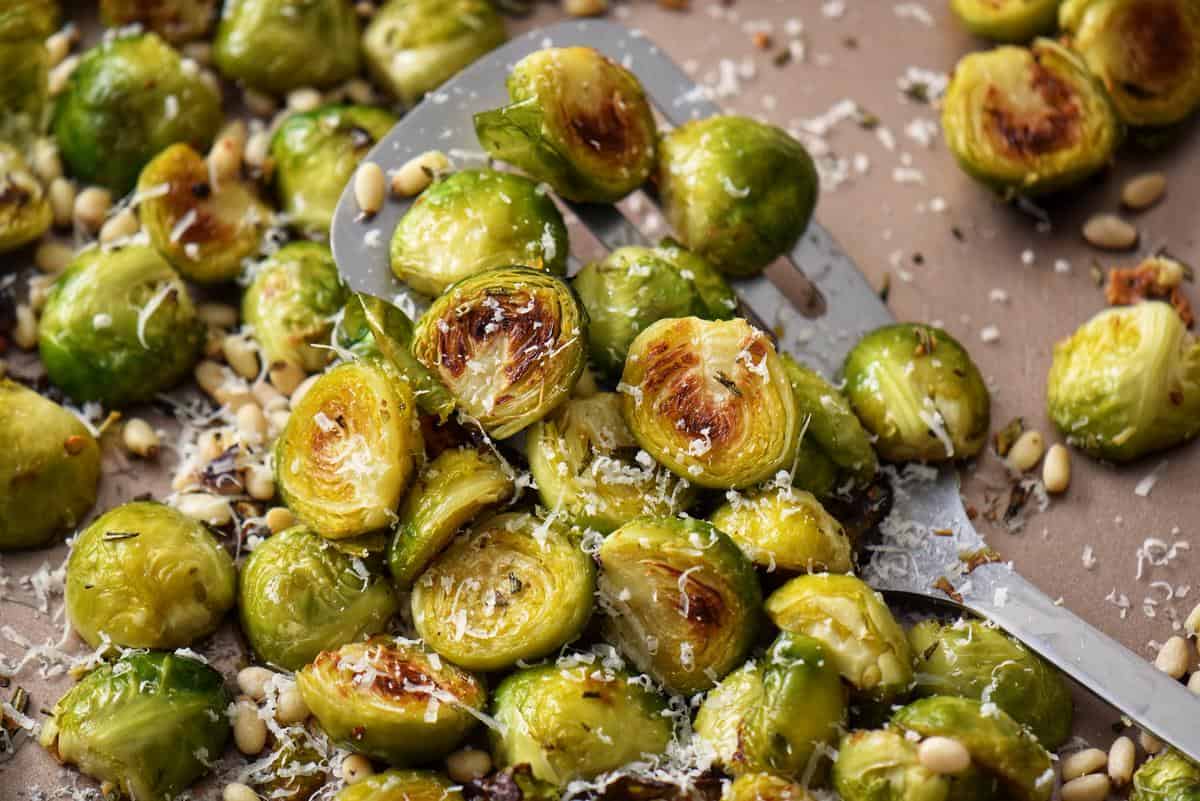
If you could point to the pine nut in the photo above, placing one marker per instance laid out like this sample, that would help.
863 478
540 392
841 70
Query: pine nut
91 207
1110 232
268 397
249 730
286 376
45 161
253 681
278 418
205 507
258 103
359 92
251 425
1081 763
210 376
58 45
290 707
62 201
1194 682
1056 470
585 8
1121 758
53 257
140 438
418 172
943 755
39 292
122 225
1143 191
1027 451
304 99
241 355
200 52
279 518
1149 743
369 187
258 149
61 73
468 764
1087 788
1173 657
225 156
355 768
1192 624
25 335
238 792
218 315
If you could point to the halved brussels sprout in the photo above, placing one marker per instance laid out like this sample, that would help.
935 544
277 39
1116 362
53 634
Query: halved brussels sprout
1126 383
514 588
28 19
315 154
736 191
830 427
711 401
295 768
25 212
1014 21
119 327
585 463
685 603
856 627
145 575
996 742
174 20
448 493
782 528
779 715
50 469
764 787
23 93
508 343
280 45
345 458
1170 776
975 660
883 766
150 723
392 699
577 121
633 287
292 303
576 721
1145 52
477 220
414 46
1028 120
918 392
204 228
130 97
401 785
298 595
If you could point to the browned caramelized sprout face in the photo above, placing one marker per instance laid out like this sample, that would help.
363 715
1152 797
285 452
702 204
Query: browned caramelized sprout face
174 20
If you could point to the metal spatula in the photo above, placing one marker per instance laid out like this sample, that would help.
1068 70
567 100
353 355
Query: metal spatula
910 559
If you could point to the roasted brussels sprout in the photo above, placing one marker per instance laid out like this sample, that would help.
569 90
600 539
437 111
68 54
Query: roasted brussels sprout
633 287
997 743
292 302
298 595
477 220
975 660
856 627
711 401
1126 383
577 121
119 327
764 787
571 722
832 434
918 392
23 93
515 588
585 463
1170 776
295 768
883 766
150 723
401 785
449 492
391 699
414 46
508 343
130 97
28 19
1145 52
204 228
174 20
25 212
280 45
345 458
1014 21
144 575
737 192
1028 120
49 472
685 603
776 716
782 528
315 155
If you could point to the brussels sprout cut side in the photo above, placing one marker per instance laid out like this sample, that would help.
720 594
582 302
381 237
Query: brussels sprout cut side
392 699
1126 383
711 401
1028 120
1170 776
150 724
25 212
764 787
883 766
1015 21
401 785
578 121
785 529
174 20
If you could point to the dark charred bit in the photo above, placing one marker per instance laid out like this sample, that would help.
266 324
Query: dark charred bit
361 138
1026 136
1157 44
202 189
396 676
1128 285
532 329
945 586
605 129
695 601
1017 498
976 558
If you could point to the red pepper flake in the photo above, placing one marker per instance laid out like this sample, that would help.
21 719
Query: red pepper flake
74 444
762 40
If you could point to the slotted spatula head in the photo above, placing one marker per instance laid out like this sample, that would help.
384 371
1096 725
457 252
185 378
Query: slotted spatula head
908 557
